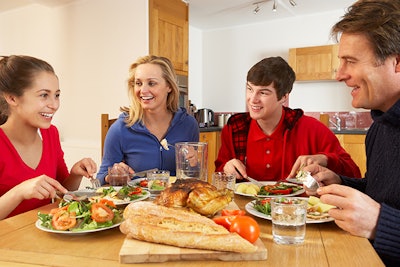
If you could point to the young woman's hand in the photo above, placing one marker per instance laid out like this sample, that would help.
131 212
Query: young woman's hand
85 167
40 187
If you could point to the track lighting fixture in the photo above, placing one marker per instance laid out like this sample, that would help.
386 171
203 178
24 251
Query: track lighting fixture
257 7
274 6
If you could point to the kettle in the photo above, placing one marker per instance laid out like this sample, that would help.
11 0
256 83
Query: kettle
204 117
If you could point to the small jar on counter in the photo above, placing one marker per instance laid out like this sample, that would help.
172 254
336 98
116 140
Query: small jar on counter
221 120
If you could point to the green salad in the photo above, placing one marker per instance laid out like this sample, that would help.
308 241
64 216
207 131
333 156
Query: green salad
79 216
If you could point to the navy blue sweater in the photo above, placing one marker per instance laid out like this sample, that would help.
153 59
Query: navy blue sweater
382 181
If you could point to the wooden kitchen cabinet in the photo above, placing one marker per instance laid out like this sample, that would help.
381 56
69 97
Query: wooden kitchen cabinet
314 63
169 32
354 144
213 139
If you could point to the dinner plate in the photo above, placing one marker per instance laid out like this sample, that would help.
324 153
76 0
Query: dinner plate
299 192
38 225
250 209
123 201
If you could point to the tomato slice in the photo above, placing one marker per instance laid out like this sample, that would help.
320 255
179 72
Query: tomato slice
135 191
281 191
143 183
101 213
225 221
273 190
55 210
232 212
246 227
107 202
63 220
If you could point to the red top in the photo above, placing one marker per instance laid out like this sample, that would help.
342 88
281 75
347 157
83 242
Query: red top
271 157
13 169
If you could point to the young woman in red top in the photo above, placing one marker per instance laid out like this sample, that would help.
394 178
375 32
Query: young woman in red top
271 141
32 165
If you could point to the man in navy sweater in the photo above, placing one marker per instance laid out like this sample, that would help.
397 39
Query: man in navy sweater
369 53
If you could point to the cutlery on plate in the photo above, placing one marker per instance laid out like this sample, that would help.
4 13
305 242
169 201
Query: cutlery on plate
73 195
254 181
142 174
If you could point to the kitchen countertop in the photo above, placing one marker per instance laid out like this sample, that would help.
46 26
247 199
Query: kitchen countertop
210 129
343 131
350 131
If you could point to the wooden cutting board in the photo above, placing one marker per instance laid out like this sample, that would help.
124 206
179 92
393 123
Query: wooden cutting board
136 251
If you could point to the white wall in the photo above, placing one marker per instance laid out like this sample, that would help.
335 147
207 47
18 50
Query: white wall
91 44
219 70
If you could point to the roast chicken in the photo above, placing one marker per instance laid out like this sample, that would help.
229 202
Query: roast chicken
195 194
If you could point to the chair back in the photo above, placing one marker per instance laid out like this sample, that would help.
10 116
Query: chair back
106 122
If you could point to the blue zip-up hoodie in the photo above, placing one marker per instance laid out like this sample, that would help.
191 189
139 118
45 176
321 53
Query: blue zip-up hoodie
141 150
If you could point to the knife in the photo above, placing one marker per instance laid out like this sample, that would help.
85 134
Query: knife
142 174
254 181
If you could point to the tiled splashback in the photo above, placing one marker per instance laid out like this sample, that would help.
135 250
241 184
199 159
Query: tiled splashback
362 120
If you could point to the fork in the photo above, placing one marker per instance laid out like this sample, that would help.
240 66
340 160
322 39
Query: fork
95 182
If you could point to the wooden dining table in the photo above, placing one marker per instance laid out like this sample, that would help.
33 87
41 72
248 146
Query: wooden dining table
23 244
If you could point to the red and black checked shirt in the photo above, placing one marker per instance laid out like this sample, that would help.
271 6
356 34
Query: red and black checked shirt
240 124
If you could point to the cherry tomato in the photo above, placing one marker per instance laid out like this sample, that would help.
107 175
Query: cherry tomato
246 227
63 220
225 221
232 212
101 213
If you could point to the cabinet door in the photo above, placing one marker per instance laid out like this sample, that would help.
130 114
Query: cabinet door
169 32
314 63
213 141
354 144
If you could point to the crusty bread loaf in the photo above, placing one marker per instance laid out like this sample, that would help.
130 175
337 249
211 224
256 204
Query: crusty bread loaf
150 222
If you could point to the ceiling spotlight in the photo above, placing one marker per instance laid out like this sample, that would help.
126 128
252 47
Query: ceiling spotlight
292 2
256 9
274 6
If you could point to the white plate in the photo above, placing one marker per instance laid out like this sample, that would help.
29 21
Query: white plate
299 192
40 227
250 209
122 201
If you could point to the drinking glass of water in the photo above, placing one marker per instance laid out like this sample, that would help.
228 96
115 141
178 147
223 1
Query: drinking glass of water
288 220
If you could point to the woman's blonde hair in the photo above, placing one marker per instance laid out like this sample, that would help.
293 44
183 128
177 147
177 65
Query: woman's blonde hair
135 110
